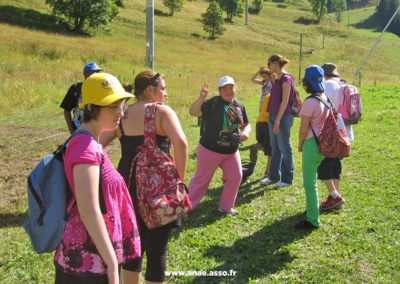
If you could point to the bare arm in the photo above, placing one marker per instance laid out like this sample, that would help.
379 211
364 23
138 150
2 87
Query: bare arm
245 134
68 119
86 180
285 100
195 108
254 77
304 124
172 128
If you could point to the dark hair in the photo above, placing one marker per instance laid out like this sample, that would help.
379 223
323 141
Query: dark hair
278 58
308 87
265 71
92 113
145 79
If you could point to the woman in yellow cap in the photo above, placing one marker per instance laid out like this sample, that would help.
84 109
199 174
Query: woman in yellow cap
150 88
101 231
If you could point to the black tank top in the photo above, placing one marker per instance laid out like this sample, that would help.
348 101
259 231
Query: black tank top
129 144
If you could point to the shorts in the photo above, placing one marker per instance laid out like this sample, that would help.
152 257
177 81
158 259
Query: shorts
262 137
330 168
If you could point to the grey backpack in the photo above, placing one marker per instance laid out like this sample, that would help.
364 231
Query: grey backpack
48 194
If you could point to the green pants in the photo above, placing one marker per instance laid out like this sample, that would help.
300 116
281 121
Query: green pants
311 160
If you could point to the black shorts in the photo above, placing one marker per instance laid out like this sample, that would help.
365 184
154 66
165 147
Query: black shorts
330 168
262 137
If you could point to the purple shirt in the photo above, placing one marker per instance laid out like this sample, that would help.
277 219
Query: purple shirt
276 94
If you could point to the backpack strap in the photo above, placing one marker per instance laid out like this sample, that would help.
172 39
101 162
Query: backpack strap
60 155
150 124
329 106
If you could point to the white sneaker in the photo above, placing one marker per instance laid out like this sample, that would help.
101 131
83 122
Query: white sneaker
282 184
267 181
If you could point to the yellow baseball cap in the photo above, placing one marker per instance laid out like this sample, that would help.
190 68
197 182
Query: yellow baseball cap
102 89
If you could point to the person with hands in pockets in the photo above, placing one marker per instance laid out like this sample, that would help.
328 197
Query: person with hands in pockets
224 126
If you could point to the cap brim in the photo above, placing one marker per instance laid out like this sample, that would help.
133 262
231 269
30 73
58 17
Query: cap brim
110 99
319 87
229 83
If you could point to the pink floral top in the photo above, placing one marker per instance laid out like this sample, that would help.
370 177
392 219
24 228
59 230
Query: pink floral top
77 253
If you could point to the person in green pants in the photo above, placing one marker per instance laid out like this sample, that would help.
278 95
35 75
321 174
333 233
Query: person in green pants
313 115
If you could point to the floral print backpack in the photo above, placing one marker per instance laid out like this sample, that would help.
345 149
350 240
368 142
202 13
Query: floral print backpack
162 197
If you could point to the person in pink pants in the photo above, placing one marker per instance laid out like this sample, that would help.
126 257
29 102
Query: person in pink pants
224 126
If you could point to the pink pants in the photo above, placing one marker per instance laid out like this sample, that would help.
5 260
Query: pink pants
207 163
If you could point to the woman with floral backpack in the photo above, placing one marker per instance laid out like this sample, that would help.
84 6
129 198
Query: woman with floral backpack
150 88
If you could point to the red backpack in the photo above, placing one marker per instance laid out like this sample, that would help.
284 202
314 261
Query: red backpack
333 142
162 197
350 106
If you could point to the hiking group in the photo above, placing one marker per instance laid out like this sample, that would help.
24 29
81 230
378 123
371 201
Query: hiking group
115 216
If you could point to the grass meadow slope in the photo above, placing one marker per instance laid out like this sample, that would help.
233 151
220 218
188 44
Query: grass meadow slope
358 244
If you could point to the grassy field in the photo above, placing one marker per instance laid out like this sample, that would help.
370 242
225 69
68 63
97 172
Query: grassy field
358 244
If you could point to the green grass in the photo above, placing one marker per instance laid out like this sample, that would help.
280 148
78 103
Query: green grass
359 244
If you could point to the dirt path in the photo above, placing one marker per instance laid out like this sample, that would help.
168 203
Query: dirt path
18 154
21 148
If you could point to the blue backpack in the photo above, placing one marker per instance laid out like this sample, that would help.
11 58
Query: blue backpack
48 194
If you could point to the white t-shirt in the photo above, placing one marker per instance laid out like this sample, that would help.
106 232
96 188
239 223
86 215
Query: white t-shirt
332 91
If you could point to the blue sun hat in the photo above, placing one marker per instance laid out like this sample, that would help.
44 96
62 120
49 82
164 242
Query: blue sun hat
315 76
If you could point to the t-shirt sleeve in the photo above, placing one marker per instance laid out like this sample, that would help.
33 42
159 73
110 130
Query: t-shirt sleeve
82 149
206 107
69 101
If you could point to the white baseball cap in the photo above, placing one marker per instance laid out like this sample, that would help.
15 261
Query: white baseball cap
226 80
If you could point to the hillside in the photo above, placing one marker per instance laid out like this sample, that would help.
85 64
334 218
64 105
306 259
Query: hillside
47 61
358 244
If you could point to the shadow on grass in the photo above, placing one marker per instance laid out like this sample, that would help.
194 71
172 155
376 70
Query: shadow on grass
31 19
306 21
373 22
160 13
8 220
206 212
258 255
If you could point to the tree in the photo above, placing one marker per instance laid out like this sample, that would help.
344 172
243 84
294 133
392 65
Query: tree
213 21
173 5
256 7
231 7
385 11
319 8
78 14
339 6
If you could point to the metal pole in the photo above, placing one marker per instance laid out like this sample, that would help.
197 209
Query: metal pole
300 56
246 12
375 44
323 41
150 33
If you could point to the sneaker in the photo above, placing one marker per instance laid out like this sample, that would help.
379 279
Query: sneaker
232 212
282 184
332 203
305 225
267 181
